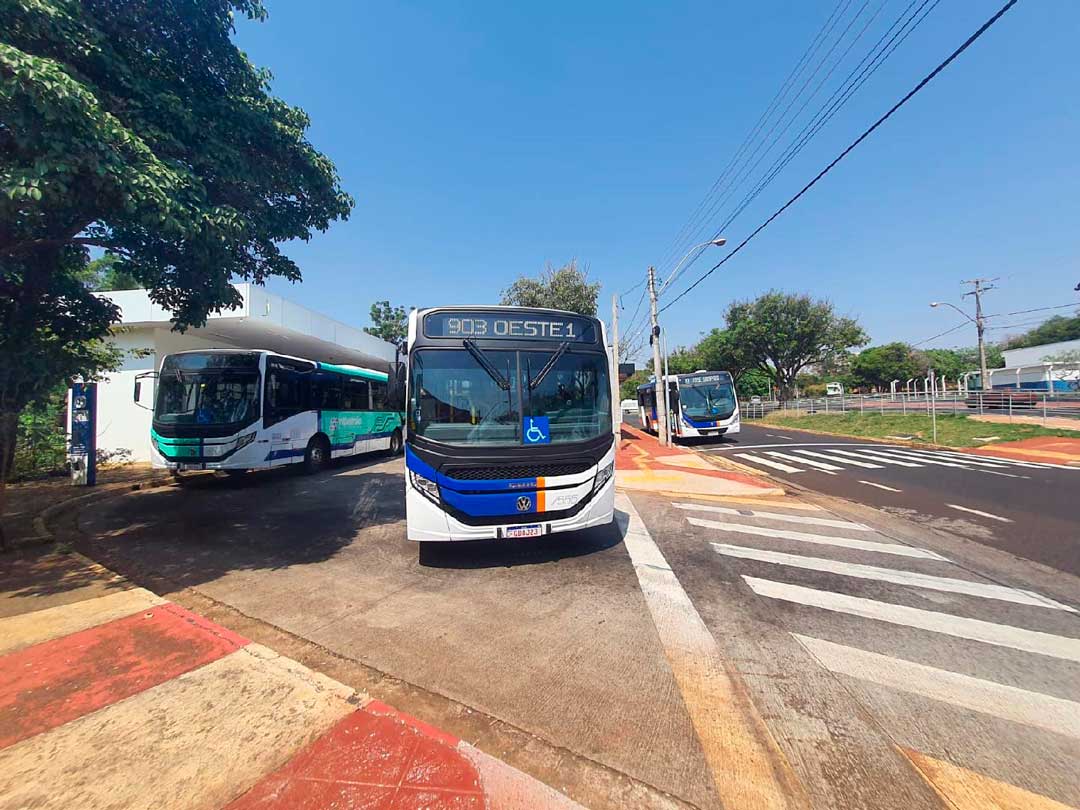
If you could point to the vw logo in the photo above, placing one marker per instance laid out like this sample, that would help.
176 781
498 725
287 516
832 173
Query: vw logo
524 504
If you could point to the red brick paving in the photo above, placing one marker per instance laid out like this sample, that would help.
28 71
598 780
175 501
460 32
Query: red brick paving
642 450
376 759
49 684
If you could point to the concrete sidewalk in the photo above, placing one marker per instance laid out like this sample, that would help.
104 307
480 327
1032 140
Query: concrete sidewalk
644 465
111 696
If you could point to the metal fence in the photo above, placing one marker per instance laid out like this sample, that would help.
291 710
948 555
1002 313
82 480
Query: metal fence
1024 406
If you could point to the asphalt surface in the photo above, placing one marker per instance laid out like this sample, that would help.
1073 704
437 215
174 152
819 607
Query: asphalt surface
1031 511
565 641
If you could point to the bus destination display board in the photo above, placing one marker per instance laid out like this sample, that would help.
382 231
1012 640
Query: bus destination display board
704 379
510 327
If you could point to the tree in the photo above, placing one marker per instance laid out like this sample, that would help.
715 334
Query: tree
139 128
567 288
947 363
784 333
753 383
1052 330
101 275
683 361
389 323
628 389
878 366
719 351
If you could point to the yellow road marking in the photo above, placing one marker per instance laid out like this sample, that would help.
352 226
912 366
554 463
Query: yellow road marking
968 790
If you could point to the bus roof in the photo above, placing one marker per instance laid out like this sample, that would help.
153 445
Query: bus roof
352 371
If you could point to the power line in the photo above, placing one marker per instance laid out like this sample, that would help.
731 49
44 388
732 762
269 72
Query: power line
694 220
929 77
747 171
831 107
942 334
1074 305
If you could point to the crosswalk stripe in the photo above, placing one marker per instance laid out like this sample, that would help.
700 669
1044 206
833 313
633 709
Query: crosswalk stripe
902 454
878 455
880 486
908 578
840 460
942 456
998 700
776 465
880 459
819 539
810 521
1016 462
817 464
1000 635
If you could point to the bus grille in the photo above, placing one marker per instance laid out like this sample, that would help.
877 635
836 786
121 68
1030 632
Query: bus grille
522 471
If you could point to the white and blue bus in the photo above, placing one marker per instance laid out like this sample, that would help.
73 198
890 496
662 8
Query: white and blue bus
702 404
509 423
237 410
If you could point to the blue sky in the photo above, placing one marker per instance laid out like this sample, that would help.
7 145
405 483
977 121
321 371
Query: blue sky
484 140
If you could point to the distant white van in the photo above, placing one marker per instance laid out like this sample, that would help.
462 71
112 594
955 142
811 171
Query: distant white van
834 389
628 405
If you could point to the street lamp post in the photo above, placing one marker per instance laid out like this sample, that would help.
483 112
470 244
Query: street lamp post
979 287
662 405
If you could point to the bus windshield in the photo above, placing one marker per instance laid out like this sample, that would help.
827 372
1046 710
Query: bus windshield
707 400
208 389
456 400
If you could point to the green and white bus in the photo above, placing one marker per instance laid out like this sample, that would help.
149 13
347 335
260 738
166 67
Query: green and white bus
237 409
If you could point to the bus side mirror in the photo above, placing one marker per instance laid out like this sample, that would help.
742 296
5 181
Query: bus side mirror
138 388
396 385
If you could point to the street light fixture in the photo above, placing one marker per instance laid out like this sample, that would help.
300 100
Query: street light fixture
979 328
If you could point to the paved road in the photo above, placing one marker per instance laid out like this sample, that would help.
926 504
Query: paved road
617 662
1026 509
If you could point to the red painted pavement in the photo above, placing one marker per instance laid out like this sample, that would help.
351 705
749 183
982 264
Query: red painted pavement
376 759
642 450
49 684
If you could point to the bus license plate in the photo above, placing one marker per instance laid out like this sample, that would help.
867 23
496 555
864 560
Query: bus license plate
525 531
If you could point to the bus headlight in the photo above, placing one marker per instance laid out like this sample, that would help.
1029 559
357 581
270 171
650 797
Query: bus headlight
603 475
425 486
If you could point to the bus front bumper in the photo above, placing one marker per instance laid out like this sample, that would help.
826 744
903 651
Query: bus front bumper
428 523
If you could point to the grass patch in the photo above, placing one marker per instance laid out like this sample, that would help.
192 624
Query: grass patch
953 431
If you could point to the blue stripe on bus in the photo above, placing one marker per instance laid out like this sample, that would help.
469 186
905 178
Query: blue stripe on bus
490 505
418 466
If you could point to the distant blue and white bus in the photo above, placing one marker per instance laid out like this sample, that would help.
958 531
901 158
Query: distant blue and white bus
508 423
702 404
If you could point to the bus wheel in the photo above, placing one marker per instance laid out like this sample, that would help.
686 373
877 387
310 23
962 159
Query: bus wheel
317 455
395 443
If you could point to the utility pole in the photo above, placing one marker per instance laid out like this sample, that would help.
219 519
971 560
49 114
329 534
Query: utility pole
979 286
616 401
658 369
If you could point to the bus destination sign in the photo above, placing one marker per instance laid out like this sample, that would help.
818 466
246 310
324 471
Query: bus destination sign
486 325
704 379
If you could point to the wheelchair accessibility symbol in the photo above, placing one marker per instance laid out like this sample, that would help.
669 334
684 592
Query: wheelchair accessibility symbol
535 430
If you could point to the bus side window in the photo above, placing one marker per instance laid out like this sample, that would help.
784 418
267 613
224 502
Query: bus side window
286 393
356 395
379 397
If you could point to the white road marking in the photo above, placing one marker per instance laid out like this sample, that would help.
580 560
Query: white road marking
1039 465
810 521
1001 635
881 459
880 455
881 486
816 454
816 464
909 578
1007 702
748 767
979 513
776 465
906 456
819 539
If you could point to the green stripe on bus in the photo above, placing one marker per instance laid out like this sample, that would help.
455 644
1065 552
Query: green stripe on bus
157 437
355 372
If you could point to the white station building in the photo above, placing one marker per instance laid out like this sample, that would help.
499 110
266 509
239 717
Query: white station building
263 321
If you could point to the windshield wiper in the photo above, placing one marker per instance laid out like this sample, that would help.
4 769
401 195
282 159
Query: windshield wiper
549 365
486 364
